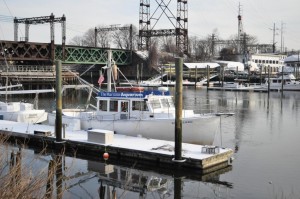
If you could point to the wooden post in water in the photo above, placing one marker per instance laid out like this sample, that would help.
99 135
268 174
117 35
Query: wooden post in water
177 187
50 178
282 80
260 74
196 77
58 123
222 67
178 110
208 74
59 176
269 80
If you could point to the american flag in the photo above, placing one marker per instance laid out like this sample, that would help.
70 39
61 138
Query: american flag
100 80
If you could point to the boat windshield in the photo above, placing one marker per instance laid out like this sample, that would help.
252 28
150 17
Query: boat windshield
155 104
167 103
161 103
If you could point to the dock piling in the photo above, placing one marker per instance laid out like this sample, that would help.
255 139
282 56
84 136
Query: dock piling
58 124
178 110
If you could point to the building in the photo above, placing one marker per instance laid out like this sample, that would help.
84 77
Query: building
191 69
274 61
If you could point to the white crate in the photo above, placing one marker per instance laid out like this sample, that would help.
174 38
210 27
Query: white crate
101 136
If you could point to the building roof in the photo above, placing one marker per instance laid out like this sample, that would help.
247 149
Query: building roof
292 58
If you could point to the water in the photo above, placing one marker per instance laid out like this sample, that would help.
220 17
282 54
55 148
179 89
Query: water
264 133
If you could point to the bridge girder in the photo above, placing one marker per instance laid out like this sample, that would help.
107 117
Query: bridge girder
29 51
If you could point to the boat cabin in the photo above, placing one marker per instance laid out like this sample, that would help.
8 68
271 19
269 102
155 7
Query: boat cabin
285 79
131 104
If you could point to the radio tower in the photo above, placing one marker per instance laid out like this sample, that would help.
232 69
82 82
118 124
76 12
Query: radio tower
240 30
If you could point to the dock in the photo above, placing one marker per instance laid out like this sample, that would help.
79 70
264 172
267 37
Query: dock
244 89
153 152
249 89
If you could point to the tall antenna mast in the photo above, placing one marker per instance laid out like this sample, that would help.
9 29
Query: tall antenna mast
240 29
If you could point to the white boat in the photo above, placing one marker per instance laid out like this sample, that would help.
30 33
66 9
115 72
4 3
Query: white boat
240 84
22 111
286 81
135 112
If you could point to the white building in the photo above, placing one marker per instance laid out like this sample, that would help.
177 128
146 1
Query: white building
275 61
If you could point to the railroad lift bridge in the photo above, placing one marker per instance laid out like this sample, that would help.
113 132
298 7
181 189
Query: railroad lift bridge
24 57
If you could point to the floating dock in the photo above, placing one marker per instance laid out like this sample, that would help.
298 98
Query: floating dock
97 141
248 89
244 89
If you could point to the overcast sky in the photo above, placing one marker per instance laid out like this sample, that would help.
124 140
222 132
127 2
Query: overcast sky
204 16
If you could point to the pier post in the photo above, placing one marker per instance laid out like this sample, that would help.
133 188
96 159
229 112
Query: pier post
58 123
282 80
178 109
177 187
260 70
196 77
222 68
269 68
208 74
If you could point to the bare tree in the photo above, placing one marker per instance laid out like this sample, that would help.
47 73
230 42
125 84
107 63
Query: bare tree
201 50
168 44
153 55
77 41
103 38
124 39
89 37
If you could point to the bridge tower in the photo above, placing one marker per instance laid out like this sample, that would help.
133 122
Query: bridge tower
41 20
178 21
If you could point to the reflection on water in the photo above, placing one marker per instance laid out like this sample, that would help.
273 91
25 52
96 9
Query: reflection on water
264 133
70 177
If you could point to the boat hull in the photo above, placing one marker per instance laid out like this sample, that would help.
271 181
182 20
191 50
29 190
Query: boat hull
195 130
28 116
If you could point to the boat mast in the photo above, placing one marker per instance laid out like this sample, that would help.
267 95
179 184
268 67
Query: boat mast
109 69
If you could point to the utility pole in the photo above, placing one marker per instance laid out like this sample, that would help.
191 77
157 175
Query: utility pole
281 36
212 46
274 33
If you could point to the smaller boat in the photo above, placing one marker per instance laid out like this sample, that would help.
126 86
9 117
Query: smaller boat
237 85
286 81
23 111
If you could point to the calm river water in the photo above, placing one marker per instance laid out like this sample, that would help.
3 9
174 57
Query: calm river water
264 133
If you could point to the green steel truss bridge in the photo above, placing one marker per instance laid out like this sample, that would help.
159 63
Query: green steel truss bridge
47 52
